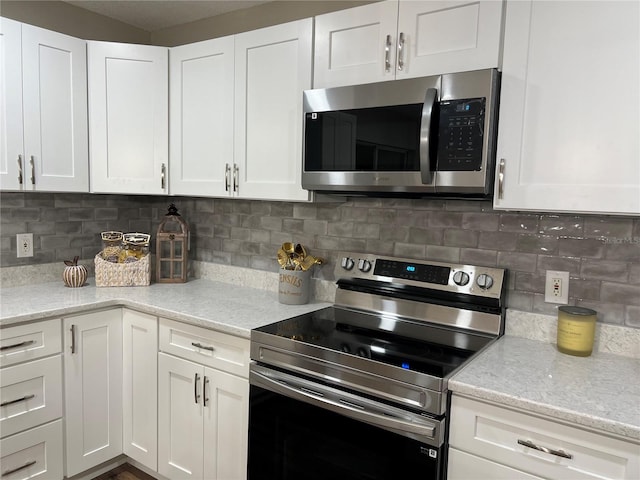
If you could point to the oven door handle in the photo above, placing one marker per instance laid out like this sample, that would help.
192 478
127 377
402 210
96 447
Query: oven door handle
313 395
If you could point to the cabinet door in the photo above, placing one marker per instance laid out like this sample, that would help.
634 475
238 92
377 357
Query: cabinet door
436 37
568 137
201 117
464 466
357 45
128 117
272 68
54 75
140 387
226 425
180 418
11 139
93 388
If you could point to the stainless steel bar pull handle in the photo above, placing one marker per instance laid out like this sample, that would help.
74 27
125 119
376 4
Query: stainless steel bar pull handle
32 162
73 339
401 51
204 347
501 179
20 179
430 98
163 174
17 345
236 172
196 395
227 174
6 473
387 54
17 400
550 451
204 391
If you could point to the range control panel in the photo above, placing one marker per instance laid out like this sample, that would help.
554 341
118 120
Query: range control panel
469 279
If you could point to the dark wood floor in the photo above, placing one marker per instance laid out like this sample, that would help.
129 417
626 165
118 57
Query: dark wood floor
124 472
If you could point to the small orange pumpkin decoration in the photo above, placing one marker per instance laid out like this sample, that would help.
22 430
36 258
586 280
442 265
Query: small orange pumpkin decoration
74 275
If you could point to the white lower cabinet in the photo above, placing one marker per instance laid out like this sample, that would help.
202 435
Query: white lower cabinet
93 388
489 441
31 402
33 454
202 411
140 387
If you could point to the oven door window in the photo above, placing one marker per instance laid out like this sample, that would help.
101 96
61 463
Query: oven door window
292 440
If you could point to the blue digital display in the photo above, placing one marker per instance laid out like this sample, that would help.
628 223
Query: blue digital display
411 268
406 366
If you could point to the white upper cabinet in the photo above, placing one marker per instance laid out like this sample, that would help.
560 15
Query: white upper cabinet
201 79
128 118
405 39
569 128
43 126
236 114
272 69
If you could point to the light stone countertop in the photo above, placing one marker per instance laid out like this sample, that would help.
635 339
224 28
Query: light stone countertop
212 304
601 391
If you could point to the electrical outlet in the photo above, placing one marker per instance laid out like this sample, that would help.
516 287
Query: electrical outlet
556 289
24 242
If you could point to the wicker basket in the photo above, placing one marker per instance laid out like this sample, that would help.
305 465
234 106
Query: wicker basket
134 274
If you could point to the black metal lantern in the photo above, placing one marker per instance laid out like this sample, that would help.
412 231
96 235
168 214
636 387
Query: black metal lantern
172 248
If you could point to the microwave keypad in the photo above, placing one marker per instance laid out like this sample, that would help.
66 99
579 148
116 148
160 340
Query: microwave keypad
461 134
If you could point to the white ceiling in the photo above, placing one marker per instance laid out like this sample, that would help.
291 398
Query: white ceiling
152 15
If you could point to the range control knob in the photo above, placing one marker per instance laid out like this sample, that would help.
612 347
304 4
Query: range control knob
461 278
346 263
484 281
364 265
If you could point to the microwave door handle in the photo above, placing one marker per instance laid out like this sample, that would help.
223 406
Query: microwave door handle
425 134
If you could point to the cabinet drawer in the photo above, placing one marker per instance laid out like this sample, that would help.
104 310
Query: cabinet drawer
207 347
30 394
464 466
28 342
497 434
36 453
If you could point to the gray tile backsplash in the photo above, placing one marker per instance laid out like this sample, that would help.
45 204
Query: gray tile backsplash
602 253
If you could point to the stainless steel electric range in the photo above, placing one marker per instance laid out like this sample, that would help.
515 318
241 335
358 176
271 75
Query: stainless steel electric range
359 390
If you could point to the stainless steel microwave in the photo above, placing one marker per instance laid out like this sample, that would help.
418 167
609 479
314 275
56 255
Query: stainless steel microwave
415 137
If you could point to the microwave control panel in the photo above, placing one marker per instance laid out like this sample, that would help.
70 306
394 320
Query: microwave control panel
461 134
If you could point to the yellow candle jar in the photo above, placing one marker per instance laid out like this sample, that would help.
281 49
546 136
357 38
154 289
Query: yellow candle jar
576 330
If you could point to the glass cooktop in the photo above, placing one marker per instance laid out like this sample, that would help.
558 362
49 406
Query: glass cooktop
412 345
